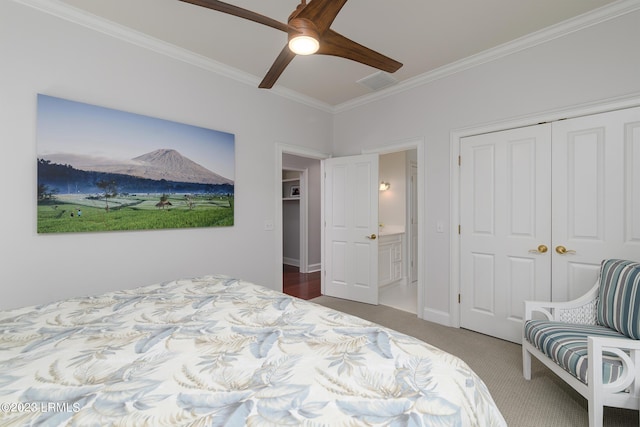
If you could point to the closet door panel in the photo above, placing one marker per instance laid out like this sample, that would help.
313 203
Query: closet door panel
595 197
505 217
573 186
632 183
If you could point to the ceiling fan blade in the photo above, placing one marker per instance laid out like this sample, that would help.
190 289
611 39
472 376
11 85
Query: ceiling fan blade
240 13
336 44
281 62
321 12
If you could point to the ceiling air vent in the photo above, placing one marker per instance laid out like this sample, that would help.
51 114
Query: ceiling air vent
377 81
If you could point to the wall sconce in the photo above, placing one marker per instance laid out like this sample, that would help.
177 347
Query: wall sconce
384 186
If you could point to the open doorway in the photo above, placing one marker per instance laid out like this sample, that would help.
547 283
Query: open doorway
414 250
301 226
398 232
411 292
289 278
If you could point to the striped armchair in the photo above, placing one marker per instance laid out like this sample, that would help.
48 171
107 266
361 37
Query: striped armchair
593 342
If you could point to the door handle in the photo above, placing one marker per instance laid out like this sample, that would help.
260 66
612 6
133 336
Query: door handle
372 237
539 250
563 251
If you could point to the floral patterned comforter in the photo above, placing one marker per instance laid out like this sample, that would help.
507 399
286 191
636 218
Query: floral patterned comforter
216 351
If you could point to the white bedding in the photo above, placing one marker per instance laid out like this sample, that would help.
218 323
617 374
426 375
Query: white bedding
219 351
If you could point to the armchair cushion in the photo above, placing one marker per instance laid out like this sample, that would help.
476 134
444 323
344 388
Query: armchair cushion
619 297
566 345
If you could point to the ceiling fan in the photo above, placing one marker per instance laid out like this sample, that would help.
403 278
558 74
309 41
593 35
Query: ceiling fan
309 32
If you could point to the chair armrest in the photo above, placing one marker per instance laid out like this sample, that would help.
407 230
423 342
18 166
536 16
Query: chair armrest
627 349
543 307
580 310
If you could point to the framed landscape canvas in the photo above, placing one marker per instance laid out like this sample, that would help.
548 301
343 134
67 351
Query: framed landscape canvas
101 169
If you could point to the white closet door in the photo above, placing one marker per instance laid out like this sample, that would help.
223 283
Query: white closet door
589 167
505 207
596 197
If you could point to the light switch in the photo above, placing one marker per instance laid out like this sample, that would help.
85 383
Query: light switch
440 227
268 225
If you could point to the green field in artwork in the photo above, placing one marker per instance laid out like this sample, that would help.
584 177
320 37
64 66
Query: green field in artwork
84 213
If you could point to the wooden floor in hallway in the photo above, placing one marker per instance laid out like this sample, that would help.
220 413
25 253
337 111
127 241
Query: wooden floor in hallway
302 285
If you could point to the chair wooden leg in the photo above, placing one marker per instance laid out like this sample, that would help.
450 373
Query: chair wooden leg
594 375
596 412
526 363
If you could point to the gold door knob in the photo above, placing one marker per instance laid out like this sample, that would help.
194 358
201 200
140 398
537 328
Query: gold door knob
563 251
372 237
539 250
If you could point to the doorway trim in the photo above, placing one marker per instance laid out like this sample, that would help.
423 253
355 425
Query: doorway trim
295 150
419 145
456 136
303 232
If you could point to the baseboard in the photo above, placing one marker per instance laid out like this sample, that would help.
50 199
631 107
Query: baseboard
436 316
315 267
291 261
296 263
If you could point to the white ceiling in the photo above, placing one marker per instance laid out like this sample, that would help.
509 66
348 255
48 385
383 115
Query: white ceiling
425 35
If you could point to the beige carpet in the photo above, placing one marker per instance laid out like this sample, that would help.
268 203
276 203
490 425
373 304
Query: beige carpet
545 401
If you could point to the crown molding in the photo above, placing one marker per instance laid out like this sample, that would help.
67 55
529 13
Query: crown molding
80 17
561 29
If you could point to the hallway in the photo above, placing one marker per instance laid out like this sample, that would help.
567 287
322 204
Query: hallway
302 285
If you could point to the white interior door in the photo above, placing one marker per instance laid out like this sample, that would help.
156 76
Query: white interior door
351 228
596 197
505 232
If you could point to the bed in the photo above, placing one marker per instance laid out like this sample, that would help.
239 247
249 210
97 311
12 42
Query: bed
215 351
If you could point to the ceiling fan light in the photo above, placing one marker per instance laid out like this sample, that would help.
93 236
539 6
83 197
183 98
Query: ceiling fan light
304 45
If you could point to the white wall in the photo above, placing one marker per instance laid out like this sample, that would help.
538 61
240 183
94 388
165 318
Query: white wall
596 63
40 53
44 54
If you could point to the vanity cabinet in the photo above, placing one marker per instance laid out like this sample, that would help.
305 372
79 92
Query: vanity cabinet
389 258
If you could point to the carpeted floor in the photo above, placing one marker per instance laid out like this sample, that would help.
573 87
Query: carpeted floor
545 401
